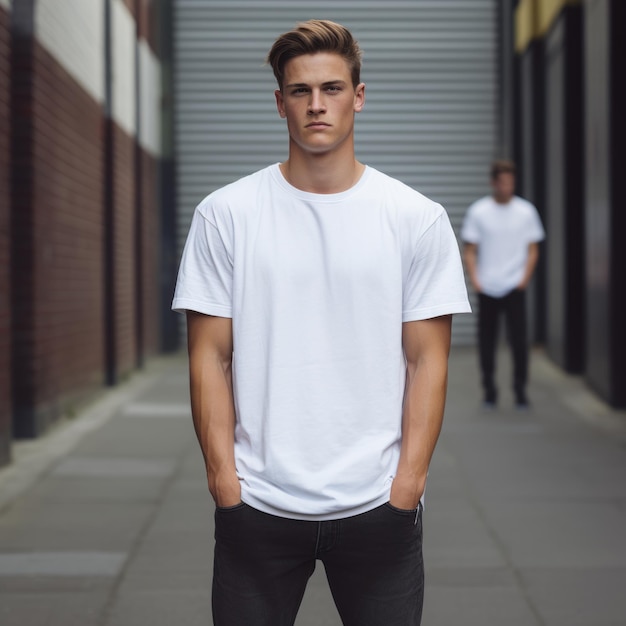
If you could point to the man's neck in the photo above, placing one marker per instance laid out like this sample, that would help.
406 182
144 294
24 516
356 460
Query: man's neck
502 199
321 173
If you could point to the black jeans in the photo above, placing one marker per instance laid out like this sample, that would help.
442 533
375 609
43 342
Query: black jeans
373 564
513 306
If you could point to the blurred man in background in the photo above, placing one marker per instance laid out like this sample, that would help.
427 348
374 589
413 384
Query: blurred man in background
501 233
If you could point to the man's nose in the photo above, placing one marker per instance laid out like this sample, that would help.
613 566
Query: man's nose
316 103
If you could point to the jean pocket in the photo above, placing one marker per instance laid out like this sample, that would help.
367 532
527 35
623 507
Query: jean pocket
414 515
395 509
229 509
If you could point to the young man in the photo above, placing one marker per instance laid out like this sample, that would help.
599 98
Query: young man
502 234
319 295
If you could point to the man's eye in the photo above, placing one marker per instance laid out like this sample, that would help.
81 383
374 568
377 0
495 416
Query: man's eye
333 89
299 90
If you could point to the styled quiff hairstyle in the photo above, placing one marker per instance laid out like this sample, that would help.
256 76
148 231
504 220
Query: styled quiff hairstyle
502 166
311 37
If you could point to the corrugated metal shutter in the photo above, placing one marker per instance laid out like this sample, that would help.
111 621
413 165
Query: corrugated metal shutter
430 118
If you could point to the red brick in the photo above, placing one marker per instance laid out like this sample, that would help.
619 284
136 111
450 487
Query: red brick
60 209
150 221
124 251
148 23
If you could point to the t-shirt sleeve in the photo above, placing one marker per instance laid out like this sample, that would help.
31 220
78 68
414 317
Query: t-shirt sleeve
205 275
435 284
470 231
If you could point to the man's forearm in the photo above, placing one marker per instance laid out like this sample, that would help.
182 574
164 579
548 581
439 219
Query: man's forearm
214 421
212 404
421 424
427 345
470 256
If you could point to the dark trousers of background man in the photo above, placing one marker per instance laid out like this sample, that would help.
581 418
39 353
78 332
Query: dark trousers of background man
513 307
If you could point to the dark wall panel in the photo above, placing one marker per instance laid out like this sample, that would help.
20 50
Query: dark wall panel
604 208
556 219
618 196
597 204
564 192
5 240
532 166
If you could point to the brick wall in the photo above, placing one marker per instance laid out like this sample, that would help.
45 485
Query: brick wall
5 278
148 25
150 327
68 174
66 233
125 291
150 221
65 243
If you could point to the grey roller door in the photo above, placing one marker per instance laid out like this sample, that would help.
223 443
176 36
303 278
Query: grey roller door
430 118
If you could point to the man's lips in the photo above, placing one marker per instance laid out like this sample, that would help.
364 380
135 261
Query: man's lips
317 125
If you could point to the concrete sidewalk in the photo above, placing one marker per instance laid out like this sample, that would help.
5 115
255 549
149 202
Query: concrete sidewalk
107 520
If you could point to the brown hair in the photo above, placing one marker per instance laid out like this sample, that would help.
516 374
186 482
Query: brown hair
311 37
502 166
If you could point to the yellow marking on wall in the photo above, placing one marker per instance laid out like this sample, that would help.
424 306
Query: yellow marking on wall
524 24
534 18
549 10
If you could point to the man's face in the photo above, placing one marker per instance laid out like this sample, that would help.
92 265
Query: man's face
503 187
319 102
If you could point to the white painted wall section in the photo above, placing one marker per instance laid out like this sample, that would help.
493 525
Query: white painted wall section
150 99
123 62
72 31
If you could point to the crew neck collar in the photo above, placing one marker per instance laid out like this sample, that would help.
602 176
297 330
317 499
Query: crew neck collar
318 197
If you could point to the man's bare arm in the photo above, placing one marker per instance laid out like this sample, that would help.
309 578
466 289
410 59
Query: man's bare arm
470 256
426 345
210 344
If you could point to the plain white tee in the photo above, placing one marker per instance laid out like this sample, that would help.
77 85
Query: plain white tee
318 287
503 233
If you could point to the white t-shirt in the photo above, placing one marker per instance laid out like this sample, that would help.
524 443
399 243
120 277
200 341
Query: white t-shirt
503 233
317 287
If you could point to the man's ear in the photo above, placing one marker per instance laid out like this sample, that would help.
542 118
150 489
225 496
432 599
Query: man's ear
280 103
359 97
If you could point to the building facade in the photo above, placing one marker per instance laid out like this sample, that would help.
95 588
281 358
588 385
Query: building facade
81 156
118 116
568 66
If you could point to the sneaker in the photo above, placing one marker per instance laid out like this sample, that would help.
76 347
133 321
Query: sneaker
491 400
521 402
